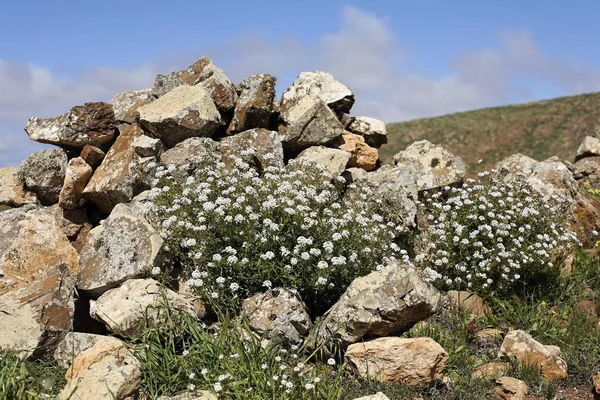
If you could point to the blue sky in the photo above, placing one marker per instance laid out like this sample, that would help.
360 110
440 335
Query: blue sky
403 59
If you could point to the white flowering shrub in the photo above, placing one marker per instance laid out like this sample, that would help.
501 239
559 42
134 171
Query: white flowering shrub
239 232
490 236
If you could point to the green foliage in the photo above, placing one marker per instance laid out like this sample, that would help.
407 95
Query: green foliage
237 233
28 380
489 236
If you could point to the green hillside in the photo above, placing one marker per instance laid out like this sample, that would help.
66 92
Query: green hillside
540 130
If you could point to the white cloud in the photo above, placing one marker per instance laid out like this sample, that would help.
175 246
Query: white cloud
364 54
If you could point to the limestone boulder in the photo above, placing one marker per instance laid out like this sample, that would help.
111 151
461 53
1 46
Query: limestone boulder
527 350
115 181
192 154
510 389
91 123
433 165
107 370
126 104
122 309
413 362
381 303
31 243
122 248
372 130
255 106
77 175
12 189
590 147
182 113
203 74
334 160
76 342
92 155
310 122
259 147
44 173
337 96
362 155
278 315
35 318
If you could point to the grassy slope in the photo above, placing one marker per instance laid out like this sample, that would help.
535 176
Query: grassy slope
540 130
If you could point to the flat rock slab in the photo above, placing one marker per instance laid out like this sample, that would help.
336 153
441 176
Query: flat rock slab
91 123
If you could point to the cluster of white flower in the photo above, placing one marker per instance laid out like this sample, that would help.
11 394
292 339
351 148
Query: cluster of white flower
488 235
237 231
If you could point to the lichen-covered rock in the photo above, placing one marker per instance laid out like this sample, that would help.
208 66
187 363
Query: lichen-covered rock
378 304
126 104
363 155
586 167
434 166
107 370
122 309
264 145
182 113
31 242
510 389
278 315
92 155
309 123
590 147
334 160
114 181
77 175
516 164
527 350
43 173
12 189
119 249
36 317
372 130
91 123
412 362
254 107
337 96
74 343
145 146
192 154
553 177
204 74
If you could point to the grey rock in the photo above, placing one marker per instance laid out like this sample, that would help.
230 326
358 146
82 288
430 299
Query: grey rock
145 146
44 173
182 113
433 165
254 107
126 104
72 344
590 147
373 130
334 160
265 146
192 154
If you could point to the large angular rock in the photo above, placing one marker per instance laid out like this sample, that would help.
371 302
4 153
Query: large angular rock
590 147
334 160
309 123
43 173
378 304
31 243
126 104
36 317
337 96
92 155
586 167
122 309
107 370
259 147
204 74
182 113
372 130
434 166
91 123
145 146
527 350
553 177
516 164
76 177
74 343
413 362
363 155
278 315
254 107
12 189
119 249
192 153
510 389
114 181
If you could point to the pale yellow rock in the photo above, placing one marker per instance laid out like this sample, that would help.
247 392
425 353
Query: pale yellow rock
510 389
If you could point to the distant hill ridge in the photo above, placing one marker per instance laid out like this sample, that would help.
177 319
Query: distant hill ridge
539 129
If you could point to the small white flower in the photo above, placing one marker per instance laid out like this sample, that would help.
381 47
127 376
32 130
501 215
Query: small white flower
331 362
267 284
155 271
